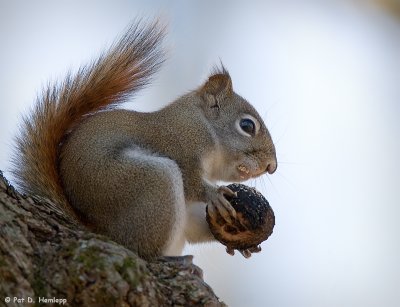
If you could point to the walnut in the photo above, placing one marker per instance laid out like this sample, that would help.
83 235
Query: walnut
254 222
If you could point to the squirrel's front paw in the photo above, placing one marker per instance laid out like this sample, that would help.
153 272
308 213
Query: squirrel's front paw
252 225
219 204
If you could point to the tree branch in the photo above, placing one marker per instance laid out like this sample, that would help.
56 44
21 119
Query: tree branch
46 258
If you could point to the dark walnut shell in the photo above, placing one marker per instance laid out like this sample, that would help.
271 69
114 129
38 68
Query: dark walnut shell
254 222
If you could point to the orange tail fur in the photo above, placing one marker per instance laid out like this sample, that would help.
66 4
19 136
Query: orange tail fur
117 74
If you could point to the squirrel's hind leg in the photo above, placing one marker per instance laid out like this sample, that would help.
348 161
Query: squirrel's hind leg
154 219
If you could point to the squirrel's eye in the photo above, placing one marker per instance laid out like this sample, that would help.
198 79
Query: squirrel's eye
248 126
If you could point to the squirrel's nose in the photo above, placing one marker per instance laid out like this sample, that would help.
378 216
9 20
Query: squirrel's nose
271 166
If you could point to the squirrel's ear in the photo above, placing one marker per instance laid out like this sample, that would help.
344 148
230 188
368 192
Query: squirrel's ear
217 88
218 85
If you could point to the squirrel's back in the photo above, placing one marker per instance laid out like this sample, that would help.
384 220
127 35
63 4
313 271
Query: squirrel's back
118 73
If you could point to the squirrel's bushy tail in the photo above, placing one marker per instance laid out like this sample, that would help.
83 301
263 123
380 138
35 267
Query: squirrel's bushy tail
118 73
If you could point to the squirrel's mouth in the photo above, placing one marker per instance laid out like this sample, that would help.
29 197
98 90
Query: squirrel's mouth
244 172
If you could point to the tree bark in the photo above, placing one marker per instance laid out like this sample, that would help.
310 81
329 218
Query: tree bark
46 259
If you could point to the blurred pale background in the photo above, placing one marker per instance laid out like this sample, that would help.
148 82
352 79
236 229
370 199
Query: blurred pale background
325 76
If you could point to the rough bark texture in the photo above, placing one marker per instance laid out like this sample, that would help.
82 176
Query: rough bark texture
44 256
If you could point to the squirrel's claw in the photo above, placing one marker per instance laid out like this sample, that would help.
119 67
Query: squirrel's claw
222 205
255 249
230 251
227 191
246 253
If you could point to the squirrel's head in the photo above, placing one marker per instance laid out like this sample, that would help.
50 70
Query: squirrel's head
246 149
